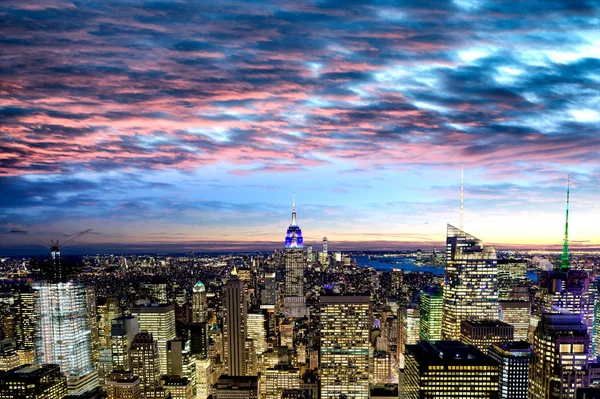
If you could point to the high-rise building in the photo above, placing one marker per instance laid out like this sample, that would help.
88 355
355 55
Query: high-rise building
345 346
159 320
410 326
448 369
235 387
511 273
568 290
23 309
122 332
107 309
9 359
204 378
483 333
29 382
325 244
199 303
471 289
199 339
268 296
279 378
143 354
257 332
63 333
179 388
295 263
517 314
123 385
560 357
514 359
430 306
93 322
235 327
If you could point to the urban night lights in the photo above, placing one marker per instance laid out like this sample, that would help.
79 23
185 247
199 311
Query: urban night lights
149 151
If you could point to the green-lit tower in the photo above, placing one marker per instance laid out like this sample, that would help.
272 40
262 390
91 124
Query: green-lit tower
565 254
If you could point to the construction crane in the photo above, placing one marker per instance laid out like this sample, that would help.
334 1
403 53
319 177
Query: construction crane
54 246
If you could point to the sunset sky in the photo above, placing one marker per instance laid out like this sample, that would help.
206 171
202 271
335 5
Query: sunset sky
178 126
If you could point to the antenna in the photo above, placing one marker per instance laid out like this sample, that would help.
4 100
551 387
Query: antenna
462 195
565 254
294 223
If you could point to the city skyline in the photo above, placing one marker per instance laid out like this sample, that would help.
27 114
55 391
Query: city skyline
176 127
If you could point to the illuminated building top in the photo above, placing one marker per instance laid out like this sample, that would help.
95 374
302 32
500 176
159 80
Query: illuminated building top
293 238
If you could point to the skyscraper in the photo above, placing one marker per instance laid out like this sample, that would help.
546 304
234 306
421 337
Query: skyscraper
24 311
430 306
471 289
295 263
514 359
235 327
158 319
199 303
511 273
63 333
517 314
122 332
448 369
560 357
345 346
143 353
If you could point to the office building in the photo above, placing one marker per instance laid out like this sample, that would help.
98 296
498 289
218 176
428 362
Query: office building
199 339
345 346
268 296
23 309
179 388
63 333
560 357
123 330
448 369
513 359
568 291
199 303
107 309
235 387
430 307
204 380
257 332
235 329
511 273
279 378
9 359
483 333
295 263
32 382
517 314
471 289
144 358
123 385
93 323
410 326
159 320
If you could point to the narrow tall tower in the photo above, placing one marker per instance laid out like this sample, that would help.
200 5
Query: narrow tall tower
462 196
565 254
294 269
234 323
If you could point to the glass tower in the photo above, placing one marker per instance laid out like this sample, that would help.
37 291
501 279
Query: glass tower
471 288
63 332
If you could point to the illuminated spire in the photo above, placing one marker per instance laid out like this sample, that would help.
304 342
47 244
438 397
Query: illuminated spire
462 195
294 223
565 254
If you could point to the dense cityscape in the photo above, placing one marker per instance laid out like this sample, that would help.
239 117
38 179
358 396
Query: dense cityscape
299 199
301 323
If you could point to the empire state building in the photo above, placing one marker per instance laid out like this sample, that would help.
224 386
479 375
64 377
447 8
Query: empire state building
293 302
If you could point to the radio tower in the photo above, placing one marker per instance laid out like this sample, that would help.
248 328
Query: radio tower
565 254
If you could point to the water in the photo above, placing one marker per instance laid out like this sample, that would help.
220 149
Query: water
408 265
387 264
